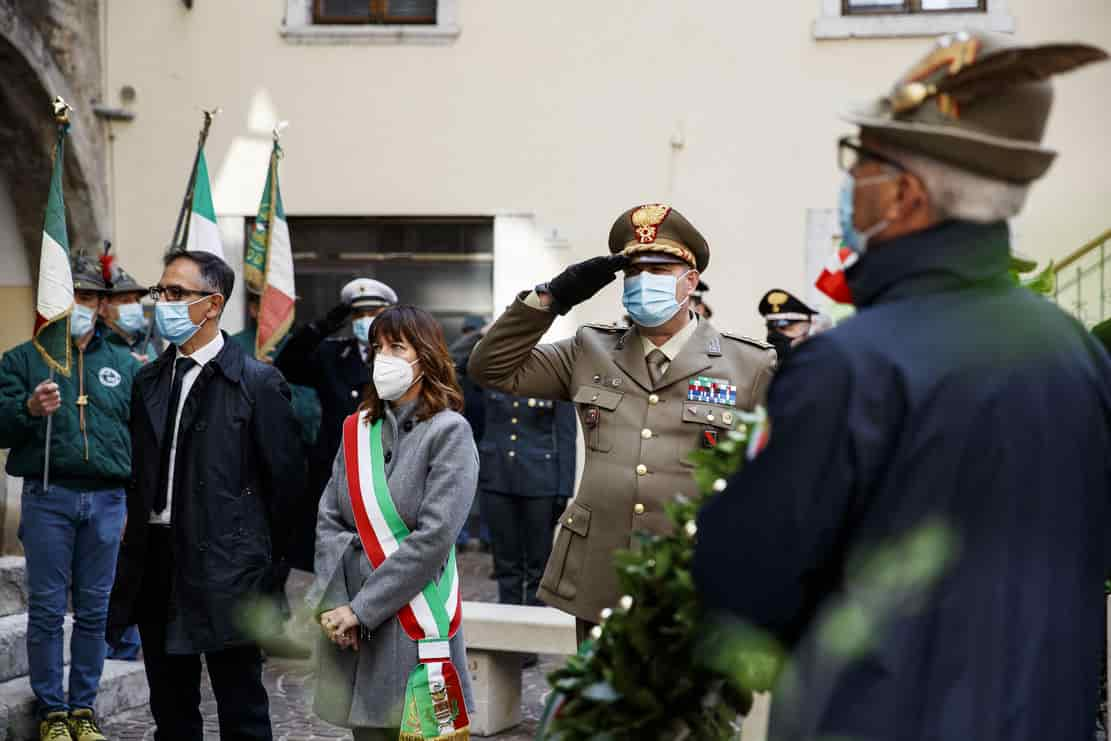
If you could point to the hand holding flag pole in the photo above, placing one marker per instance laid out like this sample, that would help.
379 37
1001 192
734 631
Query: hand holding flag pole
55 290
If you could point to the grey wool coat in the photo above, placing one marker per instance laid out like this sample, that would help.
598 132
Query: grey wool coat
432 472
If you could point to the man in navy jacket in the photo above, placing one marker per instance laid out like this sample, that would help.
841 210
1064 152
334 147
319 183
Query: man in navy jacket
925 531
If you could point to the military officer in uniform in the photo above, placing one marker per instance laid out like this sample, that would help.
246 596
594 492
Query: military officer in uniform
646 395
335 367
787 319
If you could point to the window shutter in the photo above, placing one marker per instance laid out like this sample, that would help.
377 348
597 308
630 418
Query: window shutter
343 10
411 11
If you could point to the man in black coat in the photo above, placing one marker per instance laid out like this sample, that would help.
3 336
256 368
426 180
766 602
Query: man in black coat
217 464
336 369
925 531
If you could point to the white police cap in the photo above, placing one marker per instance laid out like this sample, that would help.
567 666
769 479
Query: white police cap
363 293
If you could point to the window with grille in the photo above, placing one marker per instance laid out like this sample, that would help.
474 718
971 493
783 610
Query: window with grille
374 11
897 7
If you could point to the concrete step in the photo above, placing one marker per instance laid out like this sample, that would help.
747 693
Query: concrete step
13 645
13 586
123 686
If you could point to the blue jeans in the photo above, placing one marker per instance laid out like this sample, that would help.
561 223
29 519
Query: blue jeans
128 647
71 540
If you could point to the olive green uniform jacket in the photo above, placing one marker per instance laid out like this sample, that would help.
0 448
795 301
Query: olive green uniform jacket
638 435
96 457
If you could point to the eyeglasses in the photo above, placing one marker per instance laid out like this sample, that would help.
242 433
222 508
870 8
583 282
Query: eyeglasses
175 293
852 154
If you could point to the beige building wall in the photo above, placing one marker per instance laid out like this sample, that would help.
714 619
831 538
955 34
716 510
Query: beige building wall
560 116
17 304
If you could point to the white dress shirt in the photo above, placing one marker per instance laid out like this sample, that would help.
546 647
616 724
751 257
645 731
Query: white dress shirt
201 356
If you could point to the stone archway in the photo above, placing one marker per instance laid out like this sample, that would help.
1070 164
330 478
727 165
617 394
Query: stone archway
48 48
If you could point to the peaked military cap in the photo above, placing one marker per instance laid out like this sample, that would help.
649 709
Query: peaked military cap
87 275
779 304
978 101
657 233
364 293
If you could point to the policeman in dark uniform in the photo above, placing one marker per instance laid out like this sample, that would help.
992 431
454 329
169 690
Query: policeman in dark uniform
788 320
934 561
527 473
698 300
335 367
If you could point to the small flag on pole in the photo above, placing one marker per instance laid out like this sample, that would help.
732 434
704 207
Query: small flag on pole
55 292
270 261
832 282
204 235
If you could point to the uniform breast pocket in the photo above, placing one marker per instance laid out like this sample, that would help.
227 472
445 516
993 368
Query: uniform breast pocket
703 425
598 413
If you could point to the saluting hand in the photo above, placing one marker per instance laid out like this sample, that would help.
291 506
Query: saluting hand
582 280
44 400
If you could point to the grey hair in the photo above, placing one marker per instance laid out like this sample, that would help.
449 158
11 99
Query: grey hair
960 194
216 275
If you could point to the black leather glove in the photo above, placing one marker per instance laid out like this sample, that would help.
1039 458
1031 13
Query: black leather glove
582 280
334 320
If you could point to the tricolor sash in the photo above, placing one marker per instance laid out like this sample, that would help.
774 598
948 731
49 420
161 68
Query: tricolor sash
434 706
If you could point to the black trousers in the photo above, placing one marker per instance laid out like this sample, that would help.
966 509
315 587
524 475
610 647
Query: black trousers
242 705
521 538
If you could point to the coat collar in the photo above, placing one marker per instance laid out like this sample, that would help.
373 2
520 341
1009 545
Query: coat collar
695 356
949 256
156 395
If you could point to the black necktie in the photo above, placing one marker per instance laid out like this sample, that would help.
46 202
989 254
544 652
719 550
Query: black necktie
181 367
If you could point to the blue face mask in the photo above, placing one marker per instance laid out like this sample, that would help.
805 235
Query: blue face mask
173 322
853 239
131 318
361 328
650 298
81 320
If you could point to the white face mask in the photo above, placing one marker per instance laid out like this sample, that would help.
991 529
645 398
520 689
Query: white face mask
393 376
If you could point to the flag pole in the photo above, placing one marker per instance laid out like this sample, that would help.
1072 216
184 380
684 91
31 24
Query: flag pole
181 228
61 117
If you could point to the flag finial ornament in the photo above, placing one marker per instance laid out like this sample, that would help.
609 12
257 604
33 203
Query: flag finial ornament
61 110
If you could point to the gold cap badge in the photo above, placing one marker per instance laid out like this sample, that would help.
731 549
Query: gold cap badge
647 219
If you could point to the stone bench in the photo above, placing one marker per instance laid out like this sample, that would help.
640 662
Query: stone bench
496 637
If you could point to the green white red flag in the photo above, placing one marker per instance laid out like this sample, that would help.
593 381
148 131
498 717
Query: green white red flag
204 235
55 292
269 264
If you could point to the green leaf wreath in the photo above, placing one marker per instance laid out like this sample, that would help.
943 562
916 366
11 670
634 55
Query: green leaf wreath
646 673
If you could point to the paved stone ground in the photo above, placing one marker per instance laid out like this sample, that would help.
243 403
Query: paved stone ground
290 683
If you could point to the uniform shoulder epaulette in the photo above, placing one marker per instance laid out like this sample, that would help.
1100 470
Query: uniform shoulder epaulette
747 340
604 327
338 339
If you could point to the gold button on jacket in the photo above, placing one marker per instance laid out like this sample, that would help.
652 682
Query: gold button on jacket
580 577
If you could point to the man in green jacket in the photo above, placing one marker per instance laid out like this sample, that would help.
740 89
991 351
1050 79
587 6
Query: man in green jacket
71 530
122 310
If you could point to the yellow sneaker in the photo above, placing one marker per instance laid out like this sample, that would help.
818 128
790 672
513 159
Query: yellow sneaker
83 727
55 727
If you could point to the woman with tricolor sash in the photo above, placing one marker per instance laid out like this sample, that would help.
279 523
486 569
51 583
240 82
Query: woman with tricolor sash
392 663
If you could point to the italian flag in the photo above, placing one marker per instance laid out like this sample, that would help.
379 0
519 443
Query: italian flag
270 249
204 236
832 281
55 292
